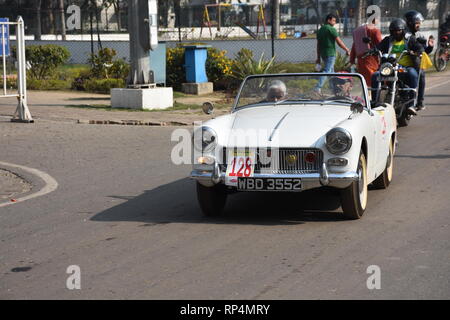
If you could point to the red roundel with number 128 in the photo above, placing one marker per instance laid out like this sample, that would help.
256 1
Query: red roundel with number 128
241 164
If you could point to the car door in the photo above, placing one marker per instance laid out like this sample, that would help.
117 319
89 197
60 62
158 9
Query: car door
381 119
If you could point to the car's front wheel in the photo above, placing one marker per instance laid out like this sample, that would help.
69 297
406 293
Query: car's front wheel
212 200
354 198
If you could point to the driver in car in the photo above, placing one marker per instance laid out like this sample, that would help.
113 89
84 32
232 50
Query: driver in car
277 91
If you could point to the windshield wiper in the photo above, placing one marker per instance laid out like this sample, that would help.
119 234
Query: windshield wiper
293 100
340 100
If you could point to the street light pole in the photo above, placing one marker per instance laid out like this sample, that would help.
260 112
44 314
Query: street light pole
139 51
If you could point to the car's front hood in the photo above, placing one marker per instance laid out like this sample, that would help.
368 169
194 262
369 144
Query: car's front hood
287 126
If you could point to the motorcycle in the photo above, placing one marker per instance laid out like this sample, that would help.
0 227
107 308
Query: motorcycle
392 87
442 55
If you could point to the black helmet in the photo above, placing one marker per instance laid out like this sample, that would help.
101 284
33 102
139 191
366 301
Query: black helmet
397 24
413 16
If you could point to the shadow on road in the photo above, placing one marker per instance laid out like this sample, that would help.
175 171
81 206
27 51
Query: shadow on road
176 202
90 99
438 95
434 156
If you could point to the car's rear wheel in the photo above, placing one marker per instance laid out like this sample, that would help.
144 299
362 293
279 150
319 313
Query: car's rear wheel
383 181
354 198
212 200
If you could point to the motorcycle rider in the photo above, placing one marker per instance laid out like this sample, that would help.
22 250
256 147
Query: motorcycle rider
396 43
414 20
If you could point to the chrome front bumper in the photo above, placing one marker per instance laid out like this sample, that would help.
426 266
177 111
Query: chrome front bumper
309 180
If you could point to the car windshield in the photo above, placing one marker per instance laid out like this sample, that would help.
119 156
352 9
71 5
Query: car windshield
338 88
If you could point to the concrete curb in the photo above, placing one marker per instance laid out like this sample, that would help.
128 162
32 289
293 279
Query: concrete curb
136 123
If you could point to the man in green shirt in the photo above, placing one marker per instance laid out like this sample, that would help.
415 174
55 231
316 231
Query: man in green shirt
327 37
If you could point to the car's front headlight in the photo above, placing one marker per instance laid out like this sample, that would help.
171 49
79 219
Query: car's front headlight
386 69
205 139
338 141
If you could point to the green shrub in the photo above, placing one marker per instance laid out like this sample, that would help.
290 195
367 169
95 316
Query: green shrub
52 84
45 59
105 66
79 82
246 65
218 65
103 85
71 72
120 69
11 83
176 74
342 63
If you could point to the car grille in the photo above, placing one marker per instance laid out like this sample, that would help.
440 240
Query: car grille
285 161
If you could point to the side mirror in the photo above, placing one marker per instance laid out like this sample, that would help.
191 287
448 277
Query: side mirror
366 40
357 107
208 108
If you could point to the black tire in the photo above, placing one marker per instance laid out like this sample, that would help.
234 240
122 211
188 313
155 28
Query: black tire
439 63
403 121
354 198
212 200
385 179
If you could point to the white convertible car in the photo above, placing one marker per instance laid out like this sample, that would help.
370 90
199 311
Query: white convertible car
295 132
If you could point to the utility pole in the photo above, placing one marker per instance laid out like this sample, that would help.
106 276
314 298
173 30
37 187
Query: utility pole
142 26
62 19
276 18
38 30
142 92
359 12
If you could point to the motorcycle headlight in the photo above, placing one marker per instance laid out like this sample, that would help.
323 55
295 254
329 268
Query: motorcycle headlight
205 139
338 141
386 69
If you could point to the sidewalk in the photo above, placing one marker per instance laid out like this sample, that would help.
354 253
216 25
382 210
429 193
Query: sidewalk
81 107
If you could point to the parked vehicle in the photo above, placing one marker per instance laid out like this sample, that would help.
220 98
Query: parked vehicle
442 54
284 136
392 87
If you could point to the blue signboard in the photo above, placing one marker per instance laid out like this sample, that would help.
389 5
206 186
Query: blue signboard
5 37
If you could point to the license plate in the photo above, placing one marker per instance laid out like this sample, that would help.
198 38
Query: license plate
269 184
387 79
241 164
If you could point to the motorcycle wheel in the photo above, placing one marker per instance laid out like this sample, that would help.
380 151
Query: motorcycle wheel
439 63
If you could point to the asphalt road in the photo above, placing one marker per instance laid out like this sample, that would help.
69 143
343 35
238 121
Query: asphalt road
129 219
